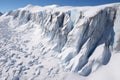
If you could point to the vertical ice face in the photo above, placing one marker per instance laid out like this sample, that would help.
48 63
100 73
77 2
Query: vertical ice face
0 13
116 30
84 38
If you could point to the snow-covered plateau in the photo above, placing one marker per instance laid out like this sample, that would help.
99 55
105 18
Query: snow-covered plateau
60 43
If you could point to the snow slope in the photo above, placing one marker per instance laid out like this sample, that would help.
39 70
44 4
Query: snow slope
109 72
60 43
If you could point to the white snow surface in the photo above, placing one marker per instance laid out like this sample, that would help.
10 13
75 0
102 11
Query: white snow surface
110 71
60 43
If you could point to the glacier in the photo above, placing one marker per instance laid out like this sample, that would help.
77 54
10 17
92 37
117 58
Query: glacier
59 42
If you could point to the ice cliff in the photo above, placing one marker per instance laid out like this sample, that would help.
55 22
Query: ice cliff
80 38
0 13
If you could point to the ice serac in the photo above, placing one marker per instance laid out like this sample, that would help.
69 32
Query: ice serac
0 13
83 38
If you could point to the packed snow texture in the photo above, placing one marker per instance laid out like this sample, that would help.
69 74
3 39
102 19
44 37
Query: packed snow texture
60 42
